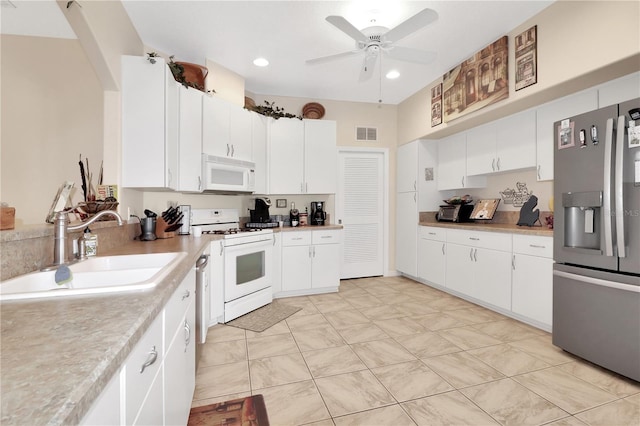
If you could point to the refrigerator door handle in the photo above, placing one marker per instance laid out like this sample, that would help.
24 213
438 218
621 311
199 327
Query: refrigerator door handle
618 184
606 193
598 281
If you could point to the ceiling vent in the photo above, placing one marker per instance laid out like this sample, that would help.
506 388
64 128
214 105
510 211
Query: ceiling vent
364 134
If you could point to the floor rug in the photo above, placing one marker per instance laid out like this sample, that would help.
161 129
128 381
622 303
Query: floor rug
263 318
244 411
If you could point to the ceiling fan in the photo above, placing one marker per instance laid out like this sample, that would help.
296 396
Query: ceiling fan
376 40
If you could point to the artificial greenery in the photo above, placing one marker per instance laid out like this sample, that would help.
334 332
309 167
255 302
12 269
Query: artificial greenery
273 111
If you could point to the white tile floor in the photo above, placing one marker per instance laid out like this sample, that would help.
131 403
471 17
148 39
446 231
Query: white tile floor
390 351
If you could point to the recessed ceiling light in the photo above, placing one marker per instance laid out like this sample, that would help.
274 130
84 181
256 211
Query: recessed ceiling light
392 74
260 62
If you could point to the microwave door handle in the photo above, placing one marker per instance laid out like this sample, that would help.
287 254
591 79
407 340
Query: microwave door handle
606 202
618 188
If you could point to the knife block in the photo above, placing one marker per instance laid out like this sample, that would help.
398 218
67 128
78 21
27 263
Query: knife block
161 225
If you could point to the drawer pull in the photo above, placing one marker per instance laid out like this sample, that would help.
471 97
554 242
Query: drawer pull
186 294
151 358
187 335
432 233
474 238
537 246
297 238
326 236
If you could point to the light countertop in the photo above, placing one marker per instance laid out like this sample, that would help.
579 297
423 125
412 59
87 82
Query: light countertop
58 354
494 227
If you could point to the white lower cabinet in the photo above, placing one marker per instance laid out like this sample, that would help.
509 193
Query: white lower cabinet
479 265
512 273
432 255
311 261
532 284
155 385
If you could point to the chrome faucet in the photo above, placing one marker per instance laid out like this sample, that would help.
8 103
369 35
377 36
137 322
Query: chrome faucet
61 227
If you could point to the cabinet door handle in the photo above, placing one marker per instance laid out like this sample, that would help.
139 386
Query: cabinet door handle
309 251
228 150
151 358
537 246
233 150
221 248
463 181
471 254
415 197
187 335
513 262
442 248
415 185
274 239
186 294
498 164
314 251
493 164
475 255
539 171
199 183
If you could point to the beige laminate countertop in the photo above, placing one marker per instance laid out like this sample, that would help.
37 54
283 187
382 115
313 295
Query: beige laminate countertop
58 354
307 228
493 227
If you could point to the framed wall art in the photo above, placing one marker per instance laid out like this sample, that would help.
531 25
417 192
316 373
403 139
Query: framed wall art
436 105
481 80
526 58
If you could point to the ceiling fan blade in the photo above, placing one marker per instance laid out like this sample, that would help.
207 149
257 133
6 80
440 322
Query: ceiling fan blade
330 58
411 55
367 67
416 22
346 27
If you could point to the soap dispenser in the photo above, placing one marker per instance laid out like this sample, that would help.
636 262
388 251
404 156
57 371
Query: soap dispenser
88 243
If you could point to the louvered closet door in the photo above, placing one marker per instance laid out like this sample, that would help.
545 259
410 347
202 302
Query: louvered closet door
360 207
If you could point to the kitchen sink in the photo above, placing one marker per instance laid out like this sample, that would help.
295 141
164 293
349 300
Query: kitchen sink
105 274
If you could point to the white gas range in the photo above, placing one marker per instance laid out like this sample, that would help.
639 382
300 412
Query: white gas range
245 257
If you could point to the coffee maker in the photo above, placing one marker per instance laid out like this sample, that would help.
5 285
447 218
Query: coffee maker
318 215
261 212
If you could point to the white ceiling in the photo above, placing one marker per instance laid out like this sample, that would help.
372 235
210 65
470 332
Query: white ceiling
287 33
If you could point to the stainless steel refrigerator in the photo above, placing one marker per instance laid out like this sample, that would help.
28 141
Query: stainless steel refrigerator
596 277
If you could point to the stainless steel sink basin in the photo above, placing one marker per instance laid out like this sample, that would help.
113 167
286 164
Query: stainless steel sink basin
106 274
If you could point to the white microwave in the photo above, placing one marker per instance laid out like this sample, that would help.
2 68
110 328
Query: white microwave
223 174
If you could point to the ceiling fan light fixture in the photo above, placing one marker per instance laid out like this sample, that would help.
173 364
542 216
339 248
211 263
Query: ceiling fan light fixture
260 62
392 75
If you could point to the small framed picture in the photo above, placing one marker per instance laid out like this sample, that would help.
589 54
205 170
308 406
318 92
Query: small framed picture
565 135
485 209
281 203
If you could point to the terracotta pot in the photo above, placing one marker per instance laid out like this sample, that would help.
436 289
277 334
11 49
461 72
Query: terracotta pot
194 73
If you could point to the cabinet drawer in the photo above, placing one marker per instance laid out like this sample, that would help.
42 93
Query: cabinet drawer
534 245
147 353
325 237
480 239
296 238
432 233
177 306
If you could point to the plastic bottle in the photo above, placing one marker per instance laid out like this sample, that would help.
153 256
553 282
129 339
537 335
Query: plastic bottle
90 242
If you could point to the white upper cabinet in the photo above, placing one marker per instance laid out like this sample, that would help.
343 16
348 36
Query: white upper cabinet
548 114
240 130
452 165
481 149
320 157
502 145
407 167
259 151
149 124
302 157
226 129
215 127
190 140
286 156
619 90
516 141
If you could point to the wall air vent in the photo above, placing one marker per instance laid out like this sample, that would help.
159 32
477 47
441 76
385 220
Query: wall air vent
364 134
